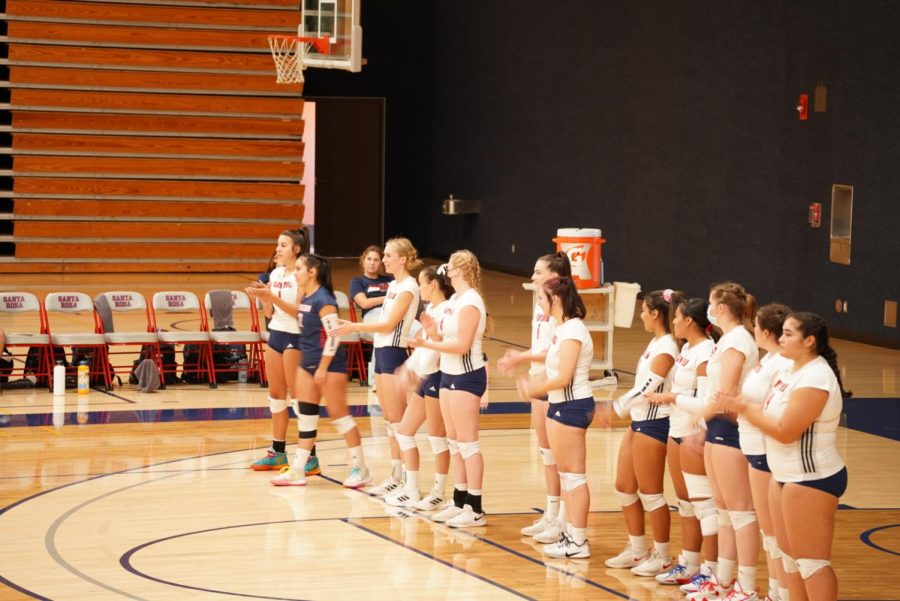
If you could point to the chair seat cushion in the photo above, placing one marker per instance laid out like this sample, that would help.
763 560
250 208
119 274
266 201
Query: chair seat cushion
27 339
232 337
183 336
77 339
131 337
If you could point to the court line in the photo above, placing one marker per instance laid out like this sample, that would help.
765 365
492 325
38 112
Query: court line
866 538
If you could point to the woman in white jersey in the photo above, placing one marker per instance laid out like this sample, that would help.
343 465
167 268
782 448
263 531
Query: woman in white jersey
642 455
391 330
696 507
423 367
732 310
552 523
800 420
571 408
279 302
458 335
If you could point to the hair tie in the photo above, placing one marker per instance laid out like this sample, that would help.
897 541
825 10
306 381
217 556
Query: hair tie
667 295
709 328
442 270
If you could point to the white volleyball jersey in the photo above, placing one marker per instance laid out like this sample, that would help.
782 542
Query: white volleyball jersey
684 381
755 390
426 361
741 340
814 455
640 409
580 385
448 326
397 337
284 286
541 335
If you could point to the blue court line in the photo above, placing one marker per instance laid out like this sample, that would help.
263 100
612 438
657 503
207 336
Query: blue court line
866 538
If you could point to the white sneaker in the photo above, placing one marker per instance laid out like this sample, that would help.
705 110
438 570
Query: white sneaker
566 548
739 594
431 502
551 533
388 486
358 477
537 527
709 591
289 477
625 559
653 565
449 511
467 518
678 573
402 498
697 581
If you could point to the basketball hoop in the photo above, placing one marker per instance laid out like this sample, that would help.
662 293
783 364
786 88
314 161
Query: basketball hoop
289 53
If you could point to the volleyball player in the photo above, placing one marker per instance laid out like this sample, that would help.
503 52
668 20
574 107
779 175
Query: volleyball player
458 336
322 372
552 523
369 289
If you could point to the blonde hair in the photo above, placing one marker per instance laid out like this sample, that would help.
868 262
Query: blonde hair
470 269
741 303
404 248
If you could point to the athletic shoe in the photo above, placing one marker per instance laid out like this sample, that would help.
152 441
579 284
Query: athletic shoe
272 461
537 527
738 594
625 559
653 565
467 518
449 511
358 477
696 582
431 502
551 533
678 574
401 498
709 591
388 486
289 477
566 548
312 467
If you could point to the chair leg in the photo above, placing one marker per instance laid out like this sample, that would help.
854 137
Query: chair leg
211 367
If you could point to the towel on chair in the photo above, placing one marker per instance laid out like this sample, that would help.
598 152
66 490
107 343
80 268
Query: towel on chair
101 305
221 307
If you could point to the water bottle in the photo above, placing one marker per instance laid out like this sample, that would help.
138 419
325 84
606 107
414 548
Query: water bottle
84 378
59 378
242 371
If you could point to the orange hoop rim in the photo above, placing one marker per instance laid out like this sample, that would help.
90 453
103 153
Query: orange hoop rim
322 44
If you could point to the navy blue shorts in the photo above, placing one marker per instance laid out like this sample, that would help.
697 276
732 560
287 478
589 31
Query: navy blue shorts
759 462
677 439
578 413
835 485
389 358
723 431
282 341
430 386
658 429
474 382
338 363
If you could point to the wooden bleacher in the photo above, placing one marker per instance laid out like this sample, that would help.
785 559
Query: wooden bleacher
146 136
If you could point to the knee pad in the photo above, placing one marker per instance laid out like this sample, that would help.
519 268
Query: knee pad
344 424
790 566
739 519
308 420
705 510
406 442
697 485
389 428
453 446
438 444
652 501
277 405
547 457
724 518
627 498
685 509
467 449
808 567
572 481
770 544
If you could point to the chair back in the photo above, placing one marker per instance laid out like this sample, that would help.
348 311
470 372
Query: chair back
124 301
243 309
177 302
68 302
19 302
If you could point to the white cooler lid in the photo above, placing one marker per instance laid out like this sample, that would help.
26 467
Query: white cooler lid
579 232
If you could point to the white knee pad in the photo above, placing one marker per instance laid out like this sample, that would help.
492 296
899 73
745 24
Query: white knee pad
739 519
698 486
572 481
724 517
344 424
453 446
770 544
652 501
307 423
705 510
808 567
790 566
547 457
406 442
438 444
277 405
389 428
685 509
627 498
467 449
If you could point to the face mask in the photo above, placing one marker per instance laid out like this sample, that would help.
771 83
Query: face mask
712 318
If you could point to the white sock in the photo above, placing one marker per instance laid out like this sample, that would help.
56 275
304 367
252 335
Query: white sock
725 573
412 482
464 487
773 589
440 480
662 549
300 457
552 508
691 560
561 515
638 545
784 594
711 567
579 535
747 578
356 455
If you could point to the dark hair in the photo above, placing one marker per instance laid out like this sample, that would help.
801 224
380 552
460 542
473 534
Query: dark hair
771 318
299 237
558 263
741 303
813 325
374 248
564 289
432 274
695 308
657 301
323 270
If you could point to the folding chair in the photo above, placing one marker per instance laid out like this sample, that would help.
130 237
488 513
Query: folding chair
244 313
124 302
356 361
28 334
76 334
183 305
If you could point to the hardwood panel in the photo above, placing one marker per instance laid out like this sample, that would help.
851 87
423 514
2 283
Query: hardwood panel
199 168
160 146
159 229
43 268
130 208
166 250
157 123
158 188
163 103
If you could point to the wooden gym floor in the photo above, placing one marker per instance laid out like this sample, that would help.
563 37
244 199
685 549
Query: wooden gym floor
148 496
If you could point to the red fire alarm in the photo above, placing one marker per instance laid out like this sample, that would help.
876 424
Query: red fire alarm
803 107
815 215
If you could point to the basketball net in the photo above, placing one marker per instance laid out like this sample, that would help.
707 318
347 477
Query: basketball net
289 54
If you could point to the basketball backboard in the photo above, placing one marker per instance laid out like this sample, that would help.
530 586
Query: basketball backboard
339 20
